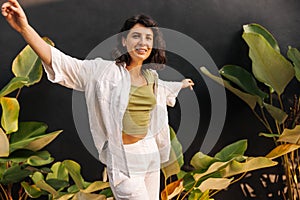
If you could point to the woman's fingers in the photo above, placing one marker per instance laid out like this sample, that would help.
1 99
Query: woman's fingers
188 83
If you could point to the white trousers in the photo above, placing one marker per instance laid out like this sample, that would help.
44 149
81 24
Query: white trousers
144 172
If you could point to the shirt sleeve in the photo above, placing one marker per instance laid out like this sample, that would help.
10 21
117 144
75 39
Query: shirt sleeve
67 71
171 90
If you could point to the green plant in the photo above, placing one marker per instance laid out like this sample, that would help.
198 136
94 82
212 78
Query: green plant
282 120
23 162
209 174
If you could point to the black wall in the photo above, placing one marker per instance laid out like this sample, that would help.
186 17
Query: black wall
77 26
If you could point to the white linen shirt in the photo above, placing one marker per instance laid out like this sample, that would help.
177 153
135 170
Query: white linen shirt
106 88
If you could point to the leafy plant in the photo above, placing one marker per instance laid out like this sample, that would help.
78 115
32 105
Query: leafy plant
23 162
209 174
280 118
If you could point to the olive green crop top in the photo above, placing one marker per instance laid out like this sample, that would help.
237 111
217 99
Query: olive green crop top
141 101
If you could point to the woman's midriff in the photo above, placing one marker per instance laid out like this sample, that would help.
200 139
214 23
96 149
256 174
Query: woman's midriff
130 139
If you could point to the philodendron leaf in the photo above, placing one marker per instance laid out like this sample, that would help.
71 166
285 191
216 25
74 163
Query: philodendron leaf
202 161
235 150
282 150
27 64
74 170
176 157
247 98
215 184
4 144
15 83
290 135
44 186
268 65
32 190
10 114
28 130
250 164
243 79
15 174
258 29
58 172
278 114
43 158
294 55
41 141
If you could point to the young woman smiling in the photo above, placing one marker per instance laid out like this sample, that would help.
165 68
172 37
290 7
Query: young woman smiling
126 101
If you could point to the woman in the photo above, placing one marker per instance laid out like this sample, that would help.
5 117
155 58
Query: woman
126 101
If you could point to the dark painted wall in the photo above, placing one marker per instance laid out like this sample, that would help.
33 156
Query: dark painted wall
78 26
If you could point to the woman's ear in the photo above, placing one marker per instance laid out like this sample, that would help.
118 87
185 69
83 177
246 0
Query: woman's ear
123 41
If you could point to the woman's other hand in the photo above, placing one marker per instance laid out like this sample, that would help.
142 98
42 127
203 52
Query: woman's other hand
14 14
187 83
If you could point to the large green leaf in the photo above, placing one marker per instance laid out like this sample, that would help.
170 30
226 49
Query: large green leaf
28 130
215 184
281 150
290 135
27 64
294 55
4 144
74 170
32 190
58 172
15 83
15 174
235 150
247 98
45 186
42 141
176 157
10 114
268 65
32 136
278 114
258 29
250 164
202 161
57 184
40 159
23 155
243 79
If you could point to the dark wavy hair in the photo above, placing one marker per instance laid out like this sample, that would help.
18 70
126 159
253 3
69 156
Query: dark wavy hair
157 58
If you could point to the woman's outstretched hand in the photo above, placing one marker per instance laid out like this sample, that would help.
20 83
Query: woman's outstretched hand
187 83
14 14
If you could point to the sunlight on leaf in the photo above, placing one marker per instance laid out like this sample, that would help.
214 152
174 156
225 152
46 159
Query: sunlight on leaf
281 150
10 114
256 28
268 65
74 170
172 190
4 144
96 186
215 184
27 64
252 163
290 135
201 161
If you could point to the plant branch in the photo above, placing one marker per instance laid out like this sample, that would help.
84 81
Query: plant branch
4 191
19 91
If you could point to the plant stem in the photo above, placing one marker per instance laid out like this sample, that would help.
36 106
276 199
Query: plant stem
288 177
4 191
263 122
19 91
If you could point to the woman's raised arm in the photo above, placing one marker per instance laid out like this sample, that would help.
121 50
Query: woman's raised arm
17 19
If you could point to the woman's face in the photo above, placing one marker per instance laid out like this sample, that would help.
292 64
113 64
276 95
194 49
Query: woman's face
139 43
